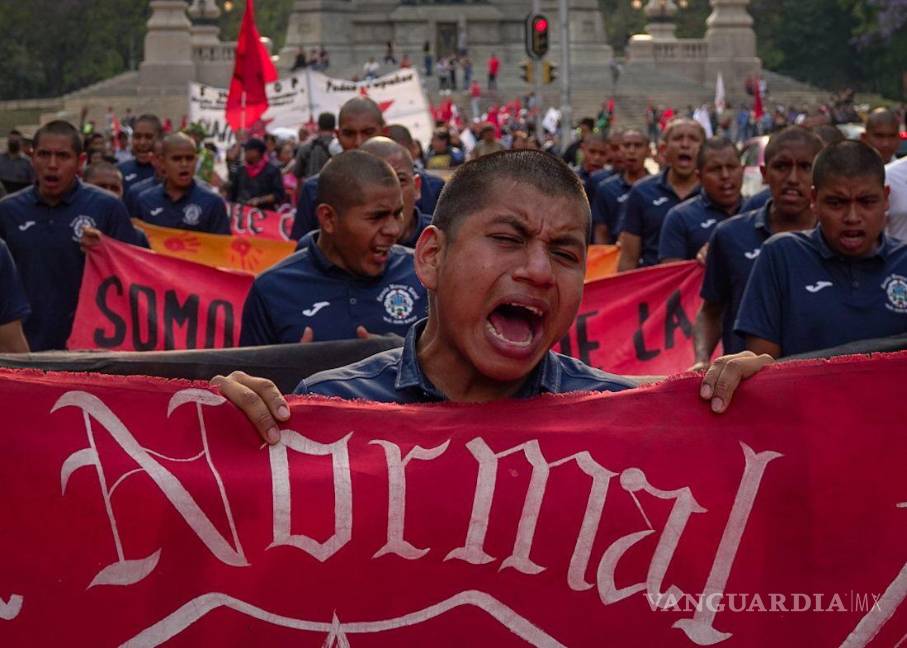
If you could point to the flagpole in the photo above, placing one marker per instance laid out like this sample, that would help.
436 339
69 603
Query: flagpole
242 122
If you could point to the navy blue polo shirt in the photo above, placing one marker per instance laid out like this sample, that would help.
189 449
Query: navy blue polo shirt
590 180
688 226
44 242
733 249
395 376
306 289
305 220
131 196
804 296
757 200
422 221
644 212
134 171
13 302
199 210
610 196
432 186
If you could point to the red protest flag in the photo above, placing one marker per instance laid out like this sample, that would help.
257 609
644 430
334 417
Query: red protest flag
758 110
253 68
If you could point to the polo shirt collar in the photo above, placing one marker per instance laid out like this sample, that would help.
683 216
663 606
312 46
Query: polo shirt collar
761 221
67 198
882 250
324 264
708 204
546 377
185 196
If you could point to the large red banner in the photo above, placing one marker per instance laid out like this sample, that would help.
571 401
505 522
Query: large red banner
640 322
138 511
133 299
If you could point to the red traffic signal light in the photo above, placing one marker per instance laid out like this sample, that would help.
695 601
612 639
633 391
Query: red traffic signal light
536 36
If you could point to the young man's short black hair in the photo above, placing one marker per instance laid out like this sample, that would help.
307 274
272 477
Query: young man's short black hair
60 127
155 122
400 134
342 181
674 122
791 135
828 134
327 121
848 159
882 116
474 183
99 167
359 106
718 143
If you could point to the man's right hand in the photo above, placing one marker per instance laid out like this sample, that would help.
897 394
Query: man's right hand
258 398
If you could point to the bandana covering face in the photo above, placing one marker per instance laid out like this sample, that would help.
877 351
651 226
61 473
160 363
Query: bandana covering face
254 169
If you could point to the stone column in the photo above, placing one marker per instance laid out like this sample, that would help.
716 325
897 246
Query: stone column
662 15
731 45
316 23
213 58
168 48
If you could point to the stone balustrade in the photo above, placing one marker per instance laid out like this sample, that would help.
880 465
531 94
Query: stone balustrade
681 50
220 53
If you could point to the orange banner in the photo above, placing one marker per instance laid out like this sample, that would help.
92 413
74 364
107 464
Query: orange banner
601 261
249 254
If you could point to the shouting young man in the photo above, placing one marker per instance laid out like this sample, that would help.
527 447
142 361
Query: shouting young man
503 263
843 281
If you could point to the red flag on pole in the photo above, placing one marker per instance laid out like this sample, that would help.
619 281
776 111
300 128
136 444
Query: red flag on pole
247 100
758 110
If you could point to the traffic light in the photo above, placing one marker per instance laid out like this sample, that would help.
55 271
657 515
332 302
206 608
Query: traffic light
549 72
526 74
536 35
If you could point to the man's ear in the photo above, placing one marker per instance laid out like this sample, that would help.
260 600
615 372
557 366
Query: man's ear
327 218
429 256
762 171
813 198
417 181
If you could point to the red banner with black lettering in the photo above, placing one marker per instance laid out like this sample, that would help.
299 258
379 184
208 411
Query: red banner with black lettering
640 322
139 512
134 299
261 223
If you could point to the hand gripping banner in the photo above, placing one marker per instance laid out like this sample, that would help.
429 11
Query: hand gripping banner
640 322
138 512
133 299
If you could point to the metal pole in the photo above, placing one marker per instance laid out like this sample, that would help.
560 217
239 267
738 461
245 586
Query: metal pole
536 83
566 112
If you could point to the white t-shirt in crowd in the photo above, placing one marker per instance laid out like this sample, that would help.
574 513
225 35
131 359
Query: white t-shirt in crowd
896 178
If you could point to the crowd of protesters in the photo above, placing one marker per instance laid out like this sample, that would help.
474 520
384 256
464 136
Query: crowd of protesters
366 194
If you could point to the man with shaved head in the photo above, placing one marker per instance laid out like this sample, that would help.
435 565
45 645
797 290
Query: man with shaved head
432 185
652 198
360 119
414 220
180 202
882 133
350 278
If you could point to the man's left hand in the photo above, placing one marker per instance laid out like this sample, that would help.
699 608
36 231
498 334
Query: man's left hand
724 375
91 237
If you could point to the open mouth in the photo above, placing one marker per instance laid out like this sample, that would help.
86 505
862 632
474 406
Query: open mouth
685 158
380 254
514 327
852 239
